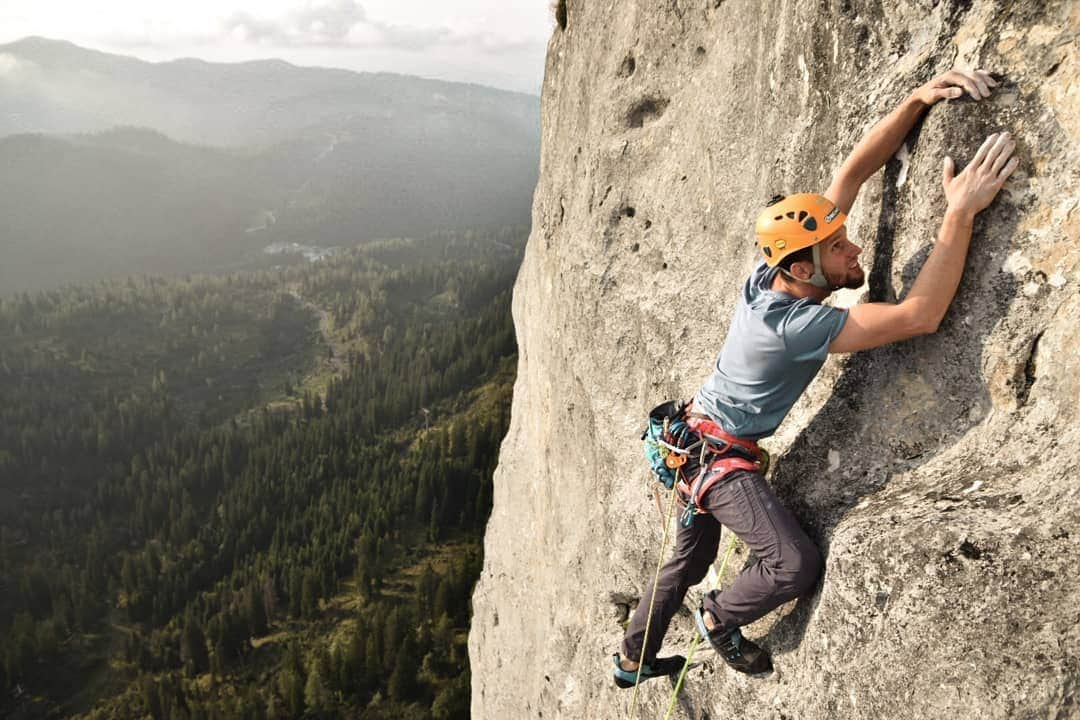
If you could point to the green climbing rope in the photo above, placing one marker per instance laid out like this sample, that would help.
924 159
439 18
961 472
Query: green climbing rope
652 599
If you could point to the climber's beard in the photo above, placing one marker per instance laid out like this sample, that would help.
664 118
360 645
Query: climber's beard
855 278
851 279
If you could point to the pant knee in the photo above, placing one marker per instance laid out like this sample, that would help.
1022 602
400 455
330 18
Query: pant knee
799 570
696 574
685 572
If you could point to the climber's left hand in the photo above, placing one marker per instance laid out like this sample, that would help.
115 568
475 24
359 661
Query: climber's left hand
951 85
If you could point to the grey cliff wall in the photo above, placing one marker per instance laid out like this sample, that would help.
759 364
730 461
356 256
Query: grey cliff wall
938 475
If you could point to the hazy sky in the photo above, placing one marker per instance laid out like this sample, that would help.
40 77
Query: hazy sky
492 42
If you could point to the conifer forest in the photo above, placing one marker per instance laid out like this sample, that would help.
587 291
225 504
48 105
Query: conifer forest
254 495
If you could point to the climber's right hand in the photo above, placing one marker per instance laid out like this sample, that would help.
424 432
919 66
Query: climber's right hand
978 184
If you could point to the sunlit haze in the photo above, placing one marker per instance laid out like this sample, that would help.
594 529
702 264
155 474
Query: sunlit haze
499 43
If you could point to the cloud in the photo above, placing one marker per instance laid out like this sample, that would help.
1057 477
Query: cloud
494 44
407 37
345 24
245 27
330 22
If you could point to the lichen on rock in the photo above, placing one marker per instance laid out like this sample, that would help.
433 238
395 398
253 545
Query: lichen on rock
937 475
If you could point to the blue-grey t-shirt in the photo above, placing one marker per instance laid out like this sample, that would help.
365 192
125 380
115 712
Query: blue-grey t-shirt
775 346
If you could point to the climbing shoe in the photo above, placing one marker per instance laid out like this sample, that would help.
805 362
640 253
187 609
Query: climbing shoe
741 654
660 667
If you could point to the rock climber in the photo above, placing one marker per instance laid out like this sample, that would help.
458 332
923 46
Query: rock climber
777 342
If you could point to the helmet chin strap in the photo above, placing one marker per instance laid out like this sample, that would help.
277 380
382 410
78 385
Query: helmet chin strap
818 279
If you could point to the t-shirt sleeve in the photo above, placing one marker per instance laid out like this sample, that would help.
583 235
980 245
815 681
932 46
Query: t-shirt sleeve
809 328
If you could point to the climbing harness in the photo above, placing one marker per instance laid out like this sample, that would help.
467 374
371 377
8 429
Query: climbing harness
673 434
729 454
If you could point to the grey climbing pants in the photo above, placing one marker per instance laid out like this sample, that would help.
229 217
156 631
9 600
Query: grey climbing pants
788 562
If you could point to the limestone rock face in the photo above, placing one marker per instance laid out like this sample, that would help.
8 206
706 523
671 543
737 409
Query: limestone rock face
938 475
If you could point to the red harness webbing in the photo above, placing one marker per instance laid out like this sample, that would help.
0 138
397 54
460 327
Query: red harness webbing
704 425
721 467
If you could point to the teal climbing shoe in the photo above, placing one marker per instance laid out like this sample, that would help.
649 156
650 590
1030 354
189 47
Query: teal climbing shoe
660 667
738 652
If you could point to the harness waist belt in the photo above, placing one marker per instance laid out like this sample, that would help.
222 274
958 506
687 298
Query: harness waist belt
733 454
711 430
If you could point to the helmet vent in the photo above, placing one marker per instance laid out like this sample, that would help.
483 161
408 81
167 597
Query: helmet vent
810 224
791 214
767 250
802 214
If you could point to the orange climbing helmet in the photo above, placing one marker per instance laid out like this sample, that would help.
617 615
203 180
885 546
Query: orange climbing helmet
789 224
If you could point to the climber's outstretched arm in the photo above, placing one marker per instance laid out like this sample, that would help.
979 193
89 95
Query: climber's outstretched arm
885 137
873 324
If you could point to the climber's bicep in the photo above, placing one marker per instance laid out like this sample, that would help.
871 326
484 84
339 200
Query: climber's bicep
871 325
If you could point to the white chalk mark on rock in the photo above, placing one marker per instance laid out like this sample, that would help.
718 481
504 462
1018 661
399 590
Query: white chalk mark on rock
805 78
568 690
904 156
974 486
1016 263
834 460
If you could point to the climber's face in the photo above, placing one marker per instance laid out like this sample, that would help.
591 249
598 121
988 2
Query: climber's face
840 260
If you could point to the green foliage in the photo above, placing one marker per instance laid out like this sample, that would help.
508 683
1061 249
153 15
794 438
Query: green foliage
196 569
453 700
89 374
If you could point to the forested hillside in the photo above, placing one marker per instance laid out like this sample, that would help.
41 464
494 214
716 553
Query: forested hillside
257 495
130 200
83 208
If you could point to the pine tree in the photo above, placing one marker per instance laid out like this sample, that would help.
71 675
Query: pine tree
255 612
193 648
309 599
452 702
402 683
291 687
317 695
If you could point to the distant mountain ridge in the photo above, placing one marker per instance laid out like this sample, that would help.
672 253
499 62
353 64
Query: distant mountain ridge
335 157
55 86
